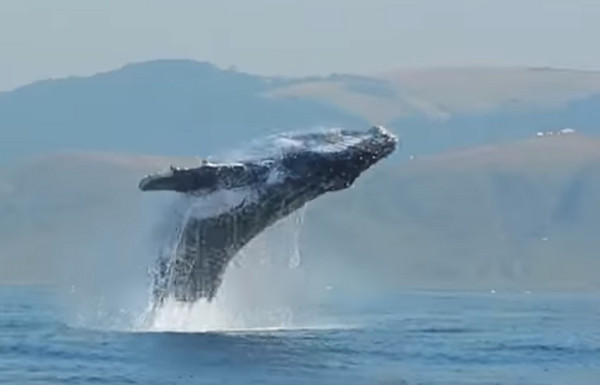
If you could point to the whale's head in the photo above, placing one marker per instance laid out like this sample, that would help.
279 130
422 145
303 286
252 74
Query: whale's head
334 159
324 160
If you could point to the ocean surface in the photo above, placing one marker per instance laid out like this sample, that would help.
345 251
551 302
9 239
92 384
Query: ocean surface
401 338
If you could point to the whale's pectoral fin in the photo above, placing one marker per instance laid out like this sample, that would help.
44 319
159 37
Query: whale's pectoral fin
181 180
207 177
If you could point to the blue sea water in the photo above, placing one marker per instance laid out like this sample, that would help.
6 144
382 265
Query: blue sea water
406 338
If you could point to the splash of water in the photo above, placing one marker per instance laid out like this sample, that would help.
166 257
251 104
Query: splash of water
263 287
184 209
203 316
188 207
258 291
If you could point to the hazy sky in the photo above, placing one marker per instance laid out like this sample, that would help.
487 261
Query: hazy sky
41 39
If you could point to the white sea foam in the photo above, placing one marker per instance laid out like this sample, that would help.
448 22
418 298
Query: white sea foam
224 315
218 315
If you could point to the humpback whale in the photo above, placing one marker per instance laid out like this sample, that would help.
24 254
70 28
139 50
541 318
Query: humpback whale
229 203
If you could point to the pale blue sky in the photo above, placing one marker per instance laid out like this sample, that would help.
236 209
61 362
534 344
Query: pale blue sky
43 38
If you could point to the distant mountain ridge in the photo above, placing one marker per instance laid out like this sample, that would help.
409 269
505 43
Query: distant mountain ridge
189 108
519 216
163 107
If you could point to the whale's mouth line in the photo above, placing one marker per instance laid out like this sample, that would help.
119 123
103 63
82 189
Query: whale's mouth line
231 203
